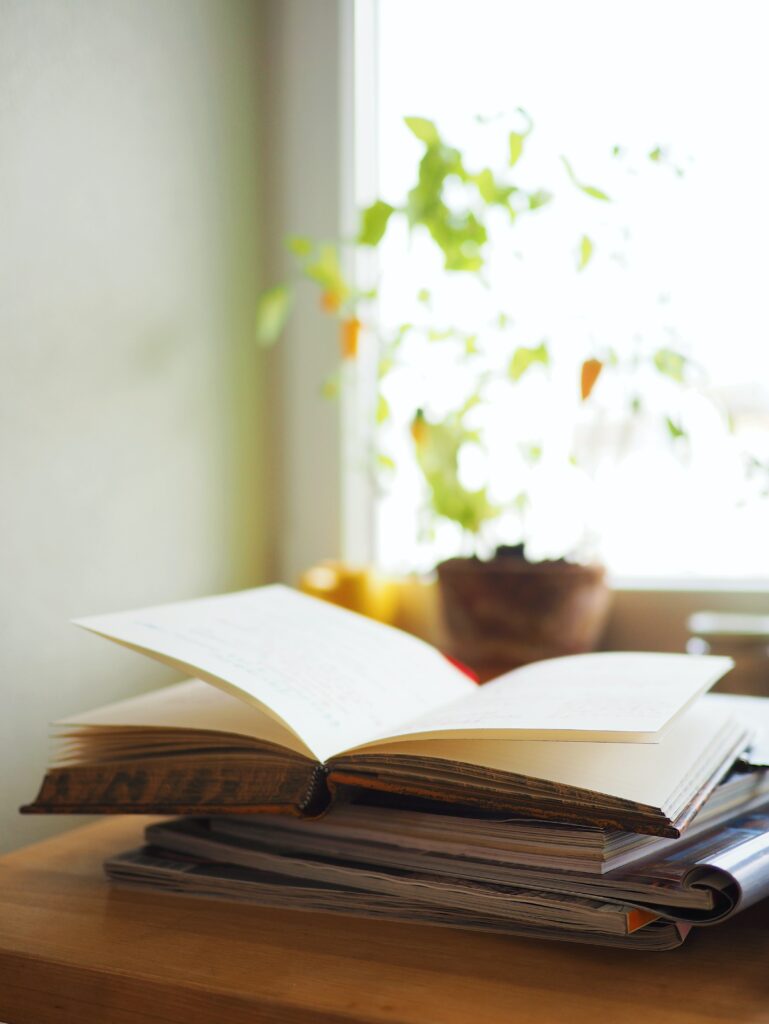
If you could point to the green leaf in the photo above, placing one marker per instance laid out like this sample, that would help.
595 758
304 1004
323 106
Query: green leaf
656 155
382 409
437 449
541 197
327 272
585 252
589 190
396 340
471 402
459 234
299 245
486 187
531 453
374 220
471 345
385 463
424 130
423 295
450 500
523 358
674 429
385 366
516 148
460 237
436 335
490 191
569 171
272 312
596 193
331 386
670 363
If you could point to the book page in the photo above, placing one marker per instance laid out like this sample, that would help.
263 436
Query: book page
191 705
609 696
754 712
333 677
646 773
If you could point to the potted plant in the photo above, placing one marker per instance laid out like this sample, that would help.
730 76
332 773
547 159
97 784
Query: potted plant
507 598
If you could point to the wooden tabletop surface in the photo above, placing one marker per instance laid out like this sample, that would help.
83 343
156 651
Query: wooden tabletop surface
76 950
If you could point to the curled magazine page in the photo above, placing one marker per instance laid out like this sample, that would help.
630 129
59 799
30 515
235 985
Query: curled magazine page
731 863
740 853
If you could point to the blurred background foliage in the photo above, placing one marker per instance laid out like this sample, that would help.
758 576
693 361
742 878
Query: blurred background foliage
459 207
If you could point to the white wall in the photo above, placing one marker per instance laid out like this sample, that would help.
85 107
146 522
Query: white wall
130 465
303 189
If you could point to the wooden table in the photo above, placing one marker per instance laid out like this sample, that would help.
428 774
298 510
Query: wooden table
75 950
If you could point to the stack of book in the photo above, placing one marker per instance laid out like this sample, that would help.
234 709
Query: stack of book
323 761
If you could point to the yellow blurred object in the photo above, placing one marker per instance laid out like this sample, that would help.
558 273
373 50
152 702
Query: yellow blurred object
349 338
354 587
418 608
410 602
330 301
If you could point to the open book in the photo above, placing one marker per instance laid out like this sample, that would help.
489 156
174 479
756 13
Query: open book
295 697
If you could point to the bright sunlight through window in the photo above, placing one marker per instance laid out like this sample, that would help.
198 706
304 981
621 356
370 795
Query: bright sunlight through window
619 317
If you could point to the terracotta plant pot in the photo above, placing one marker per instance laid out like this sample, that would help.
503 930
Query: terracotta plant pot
507 612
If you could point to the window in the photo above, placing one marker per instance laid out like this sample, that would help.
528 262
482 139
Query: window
664 112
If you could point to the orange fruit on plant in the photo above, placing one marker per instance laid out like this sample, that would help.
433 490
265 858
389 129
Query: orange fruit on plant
591 371
330 301
349 337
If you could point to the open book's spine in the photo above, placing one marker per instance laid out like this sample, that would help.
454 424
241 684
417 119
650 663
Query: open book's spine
318 797
176 786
